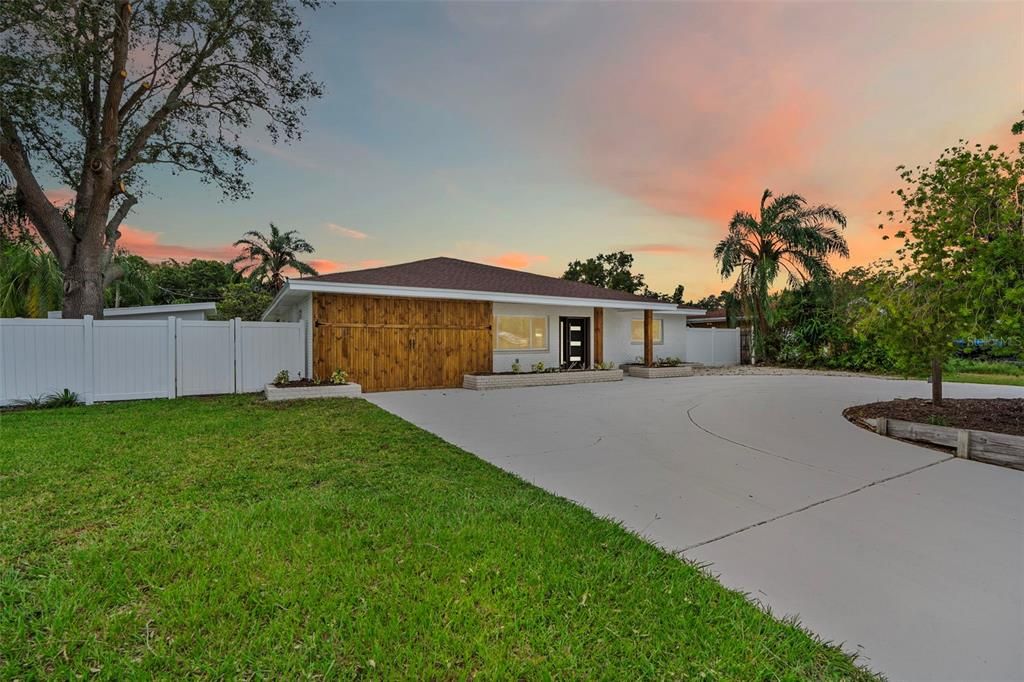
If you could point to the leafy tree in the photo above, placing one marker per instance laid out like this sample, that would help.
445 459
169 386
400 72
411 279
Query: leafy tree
91 93
960 270
677 294
192 282
787 235
267 258
242 300
612 271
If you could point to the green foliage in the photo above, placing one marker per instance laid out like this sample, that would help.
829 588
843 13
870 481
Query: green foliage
339 377
134 286
192 282
30 278
606 365
93 93
960 269
516 367
58 399
281 378
612 271
242 300
787 236
537 367
670 361
817 324
268 257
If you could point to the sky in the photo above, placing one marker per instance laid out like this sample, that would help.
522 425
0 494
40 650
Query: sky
530 134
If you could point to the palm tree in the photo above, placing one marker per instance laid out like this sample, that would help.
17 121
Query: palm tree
266 258
30 279
788 235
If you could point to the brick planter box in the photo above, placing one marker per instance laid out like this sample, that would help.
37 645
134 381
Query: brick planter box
660 372
486 382
274 393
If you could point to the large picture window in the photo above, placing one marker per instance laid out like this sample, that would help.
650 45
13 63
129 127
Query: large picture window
513 332
637 331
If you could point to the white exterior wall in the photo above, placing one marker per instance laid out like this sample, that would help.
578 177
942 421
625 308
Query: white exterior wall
503 359
619 347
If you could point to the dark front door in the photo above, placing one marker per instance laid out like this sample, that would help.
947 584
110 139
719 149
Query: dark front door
575 342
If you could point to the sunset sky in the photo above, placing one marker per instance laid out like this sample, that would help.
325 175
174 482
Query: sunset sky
531 134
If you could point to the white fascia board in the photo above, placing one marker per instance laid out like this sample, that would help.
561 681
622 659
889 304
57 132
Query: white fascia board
159 309
464 295
286 294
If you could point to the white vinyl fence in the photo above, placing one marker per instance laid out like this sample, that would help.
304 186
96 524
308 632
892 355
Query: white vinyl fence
713 346
130 360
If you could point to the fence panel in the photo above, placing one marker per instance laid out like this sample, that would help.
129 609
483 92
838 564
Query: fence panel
38 357
133 360
713 346
205 357
264 349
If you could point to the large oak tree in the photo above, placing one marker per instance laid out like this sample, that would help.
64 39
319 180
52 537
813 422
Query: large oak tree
94 91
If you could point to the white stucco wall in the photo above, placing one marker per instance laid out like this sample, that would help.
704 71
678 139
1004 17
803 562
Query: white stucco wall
619 348
503 359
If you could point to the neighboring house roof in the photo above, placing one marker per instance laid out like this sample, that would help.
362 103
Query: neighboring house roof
133 311
713 315
460 279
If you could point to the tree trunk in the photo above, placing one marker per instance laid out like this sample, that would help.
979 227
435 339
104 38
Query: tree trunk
83 287
936 381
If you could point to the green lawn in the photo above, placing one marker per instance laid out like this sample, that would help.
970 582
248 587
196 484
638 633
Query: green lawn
961 370
230 537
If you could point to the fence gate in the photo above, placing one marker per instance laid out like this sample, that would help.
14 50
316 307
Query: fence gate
206 357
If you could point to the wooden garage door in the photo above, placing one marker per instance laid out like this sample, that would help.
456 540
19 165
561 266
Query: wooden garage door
387 343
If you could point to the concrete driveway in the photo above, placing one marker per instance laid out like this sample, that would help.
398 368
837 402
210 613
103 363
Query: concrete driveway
911 558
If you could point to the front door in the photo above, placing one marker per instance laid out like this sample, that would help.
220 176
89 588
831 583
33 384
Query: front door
575 339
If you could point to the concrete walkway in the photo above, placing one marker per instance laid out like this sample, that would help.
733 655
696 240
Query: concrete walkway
910 558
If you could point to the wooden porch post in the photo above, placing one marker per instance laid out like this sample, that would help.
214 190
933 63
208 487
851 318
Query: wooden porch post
648 338
598 335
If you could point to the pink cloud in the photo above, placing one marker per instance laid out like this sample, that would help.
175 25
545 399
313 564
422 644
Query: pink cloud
346 231
149 245
516 260
60 196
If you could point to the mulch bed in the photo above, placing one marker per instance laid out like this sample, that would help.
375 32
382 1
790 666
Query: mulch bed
1001 415
296 383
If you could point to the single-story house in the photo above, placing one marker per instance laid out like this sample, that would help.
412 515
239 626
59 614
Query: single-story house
426 323
185 311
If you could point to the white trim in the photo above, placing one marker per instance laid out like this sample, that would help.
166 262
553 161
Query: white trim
468 295
169 308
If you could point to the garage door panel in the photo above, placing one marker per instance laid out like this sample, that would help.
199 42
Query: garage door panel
388 343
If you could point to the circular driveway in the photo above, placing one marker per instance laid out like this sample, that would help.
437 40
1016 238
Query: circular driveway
910 557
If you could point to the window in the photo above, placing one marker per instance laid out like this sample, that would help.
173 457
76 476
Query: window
637 331
520 333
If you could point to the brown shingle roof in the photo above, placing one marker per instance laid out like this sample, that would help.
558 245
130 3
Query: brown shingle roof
452 273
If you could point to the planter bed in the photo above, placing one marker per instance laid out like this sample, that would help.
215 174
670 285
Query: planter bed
305 390
660 372
484 382
989 431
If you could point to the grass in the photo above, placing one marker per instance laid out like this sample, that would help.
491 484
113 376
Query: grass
961 370
231 537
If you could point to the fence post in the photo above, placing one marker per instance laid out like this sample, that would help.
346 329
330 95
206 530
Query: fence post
739 345
882 426
236 332
89 361
712 345
172 353
179 375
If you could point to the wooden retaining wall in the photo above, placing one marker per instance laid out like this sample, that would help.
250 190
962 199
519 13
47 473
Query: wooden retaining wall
983 446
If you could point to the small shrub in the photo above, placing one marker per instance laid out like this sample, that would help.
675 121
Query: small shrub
516 367
65 398
282 378
669 362
31 403
604 365
537 367
339 377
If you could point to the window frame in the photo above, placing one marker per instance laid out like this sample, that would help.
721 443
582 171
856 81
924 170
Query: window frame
547 334
658 322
